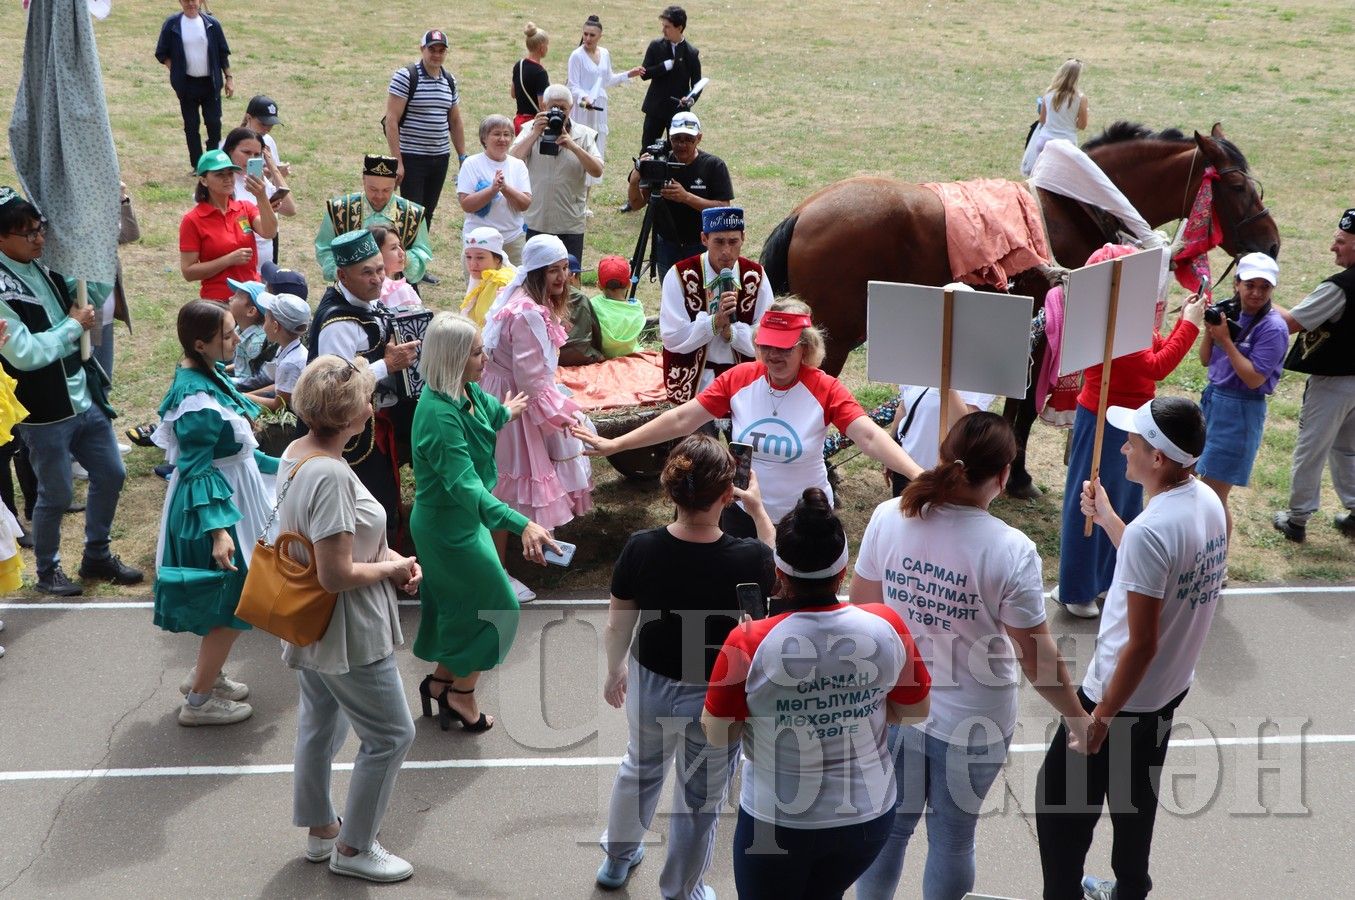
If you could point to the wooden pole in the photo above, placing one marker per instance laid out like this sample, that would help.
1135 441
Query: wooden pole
947 325
81 301
1106 360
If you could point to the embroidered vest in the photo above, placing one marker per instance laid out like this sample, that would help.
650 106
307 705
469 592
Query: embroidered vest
44 392
1329 349
345 213
682 371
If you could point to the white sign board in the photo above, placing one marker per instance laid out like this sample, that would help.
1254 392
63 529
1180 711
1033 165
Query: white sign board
990 338
1086 309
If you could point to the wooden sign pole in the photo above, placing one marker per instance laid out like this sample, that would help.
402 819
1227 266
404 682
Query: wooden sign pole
947 326
1106 360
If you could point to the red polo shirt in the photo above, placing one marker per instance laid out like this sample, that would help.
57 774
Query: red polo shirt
211 234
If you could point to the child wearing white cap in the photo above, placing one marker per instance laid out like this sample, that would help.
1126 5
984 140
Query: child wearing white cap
286 319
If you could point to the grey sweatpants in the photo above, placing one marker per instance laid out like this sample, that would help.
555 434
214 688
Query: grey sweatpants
371 699
1326 434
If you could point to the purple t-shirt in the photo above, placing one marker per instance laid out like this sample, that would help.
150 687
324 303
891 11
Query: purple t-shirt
1265 346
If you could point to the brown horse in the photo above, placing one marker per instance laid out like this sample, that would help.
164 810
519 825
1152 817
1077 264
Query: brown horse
878 229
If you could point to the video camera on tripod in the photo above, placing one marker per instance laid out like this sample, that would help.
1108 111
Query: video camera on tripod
655 171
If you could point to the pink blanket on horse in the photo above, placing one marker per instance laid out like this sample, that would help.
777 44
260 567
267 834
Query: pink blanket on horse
993 230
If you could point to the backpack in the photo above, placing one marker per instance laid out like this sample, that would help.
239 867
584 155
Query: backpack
413 72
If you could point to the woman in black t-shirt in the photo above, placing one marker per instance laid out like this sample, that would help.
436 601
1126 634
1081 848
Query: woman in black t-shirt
678 584
529 76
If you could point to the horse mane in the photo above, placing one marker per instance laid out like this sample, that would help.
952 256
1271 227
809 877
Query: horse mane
1122 131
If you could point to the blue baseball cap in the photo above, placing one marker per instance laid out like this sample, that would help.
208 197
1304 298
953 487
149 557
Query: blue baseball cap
250 288
574 267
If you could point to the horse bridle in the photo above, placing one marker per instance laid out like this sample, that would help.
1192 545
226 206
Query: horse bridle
1245 220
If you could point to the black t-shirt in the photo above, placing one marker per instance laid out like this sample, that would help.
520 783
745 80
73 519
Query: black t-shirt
529 82
685 592
706 177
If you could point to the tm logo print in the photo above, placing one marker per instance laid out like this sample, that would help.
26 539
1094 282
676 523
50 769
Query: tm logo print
773 440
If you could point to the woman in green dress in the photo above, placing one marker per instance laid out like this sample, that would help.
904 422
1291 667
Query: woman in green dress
470 614
216 505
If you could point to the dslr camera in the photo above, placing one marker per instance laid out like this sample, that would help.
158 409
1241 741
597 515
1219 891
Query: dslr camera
655 171
555 126
1225 311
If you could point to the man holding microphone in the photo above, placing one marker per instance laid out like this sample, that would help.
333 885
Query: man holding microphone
709 305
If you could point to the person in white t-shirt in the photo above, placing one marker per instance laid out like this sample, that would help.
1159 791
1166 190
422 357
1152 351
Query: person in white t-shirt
810 692
1168 574
917 423
968 587
494 187
782 405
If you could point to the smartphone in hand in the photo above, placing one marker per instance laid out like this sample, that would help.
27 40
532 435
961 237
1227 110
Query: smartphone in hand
751 600
254 167
564 557
743 463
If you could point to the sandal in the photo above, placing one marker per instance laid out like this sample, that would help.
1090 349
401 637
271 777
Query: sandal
446 713
426 695
141 434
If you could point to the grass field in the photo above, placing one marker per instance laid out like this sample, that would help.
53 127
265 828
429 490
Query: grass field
799 98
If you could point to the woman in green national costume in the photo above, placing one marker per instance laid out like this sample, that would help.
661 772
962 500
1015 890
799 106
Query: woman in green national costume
470 614
215 507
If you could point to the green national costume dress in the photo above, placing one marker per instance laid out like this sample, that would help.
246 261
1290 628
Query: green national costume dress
470 614
217 482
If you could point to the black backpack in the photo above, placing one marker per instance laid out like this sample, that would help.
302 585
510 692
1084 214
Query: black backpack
413 71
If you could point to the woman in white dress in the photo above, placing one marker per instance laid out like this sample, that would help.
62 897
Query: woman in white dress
1063 113
590 75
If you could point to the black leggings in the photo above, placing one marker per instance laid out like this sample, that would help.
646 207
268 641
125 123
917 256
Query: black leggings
28 480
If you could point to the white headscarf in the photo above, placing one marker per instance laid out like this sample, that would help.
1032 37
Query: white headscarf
539 252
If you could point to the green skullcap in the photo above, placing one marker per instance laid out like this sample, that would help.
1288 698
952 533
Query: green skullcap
353 247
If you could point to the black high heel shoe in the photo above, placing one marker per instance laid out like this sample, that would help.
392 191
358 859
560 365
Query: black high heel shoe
446 714
427 697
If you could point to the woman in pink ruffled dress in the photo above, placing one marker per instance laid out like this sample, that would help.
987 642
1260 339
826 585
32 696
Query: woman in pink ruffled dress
543 473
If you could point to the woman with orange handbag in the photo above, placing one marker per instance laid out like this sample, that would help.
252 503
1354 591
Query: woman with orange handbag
349 674
216 505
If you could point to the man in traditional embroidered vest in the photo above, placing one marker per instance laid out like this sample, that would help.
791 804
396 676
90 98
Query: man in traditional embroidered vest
376 204
68 412
1325 350
351 322
710 302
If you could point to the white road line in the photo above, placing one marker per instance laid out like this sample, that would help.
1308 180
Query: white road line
558 762
544 603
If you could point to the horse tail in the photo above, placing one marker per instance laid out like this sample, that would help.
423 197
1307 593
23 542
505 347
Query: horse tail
775 257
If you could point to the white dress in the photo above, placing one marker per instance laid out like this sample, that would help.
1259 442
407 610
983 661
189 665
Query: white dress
591 79
1058 123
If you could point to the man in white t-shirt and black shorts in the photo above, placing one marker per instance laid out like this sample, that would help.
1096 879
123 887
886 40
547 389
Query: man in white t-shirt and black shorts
1168 574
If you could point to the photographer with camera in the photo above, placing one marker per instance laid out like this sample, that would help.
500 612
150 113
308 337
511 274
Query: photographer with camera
560 155
696 181
709 305
1245 340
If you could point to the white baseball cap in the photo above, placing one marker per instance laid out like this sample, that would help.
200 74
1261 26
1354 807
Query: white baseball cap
1258 265
684 123
1141 422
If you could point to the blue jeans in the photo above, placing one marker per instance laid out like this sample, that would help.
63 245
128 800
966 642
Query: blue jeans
813 863
103 351
664 717
88 437
950 782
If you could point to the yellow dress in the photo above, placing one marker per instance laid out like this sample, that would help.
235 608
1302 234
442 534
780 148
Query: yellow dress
481 295
12 413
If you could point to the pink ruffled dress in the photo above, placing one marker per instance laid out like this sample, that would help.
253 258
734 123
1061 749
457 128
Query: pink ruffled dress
543 473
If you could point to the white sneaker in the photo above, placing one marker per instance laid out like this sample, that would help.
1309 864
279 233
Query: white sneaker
124 449
1081 610
215 711
79 472
225 687
377 864
2 651
318 849
521 591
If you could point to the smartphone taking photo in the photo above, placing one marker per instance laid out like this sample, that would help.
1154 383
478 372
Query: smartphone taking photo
743 463
751 600
254 167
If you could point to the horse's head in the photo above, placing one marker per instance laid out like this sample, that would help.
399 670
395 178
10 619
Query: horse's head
1247 224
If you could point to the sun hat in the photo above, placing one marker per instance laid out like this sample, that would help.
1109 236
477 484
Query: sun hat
781 329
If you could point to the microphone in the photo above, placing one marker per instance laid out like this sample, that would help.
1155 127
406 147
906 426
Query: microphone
725 281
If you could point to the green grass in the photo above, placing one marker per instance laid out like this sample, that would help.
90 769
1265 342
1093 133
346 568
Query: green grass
935 91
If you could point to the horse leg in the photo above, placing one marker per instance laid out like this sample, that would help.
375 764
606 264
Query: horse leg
1021 413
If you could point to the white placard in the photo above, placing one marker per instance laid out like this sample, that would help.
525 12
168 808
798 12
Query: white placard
990 338
1086 308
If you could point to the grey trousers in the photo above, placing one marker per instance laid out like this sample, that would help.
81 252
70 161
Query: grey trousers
665 724
372 699
1326 435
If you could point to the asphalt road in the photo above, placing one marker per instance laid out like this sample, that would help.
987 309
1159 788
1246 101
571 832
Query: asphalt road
103 794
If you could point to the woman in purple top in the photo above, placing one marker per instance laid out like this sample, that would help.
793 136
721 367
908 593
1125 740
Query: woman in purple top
1245 357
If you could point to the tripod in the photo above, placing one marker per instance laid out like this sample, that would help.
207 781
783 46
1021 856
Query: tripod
648 239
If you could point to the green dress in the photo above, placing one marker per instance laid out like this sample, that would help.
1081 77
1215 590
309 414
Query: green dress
470 614
217 483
